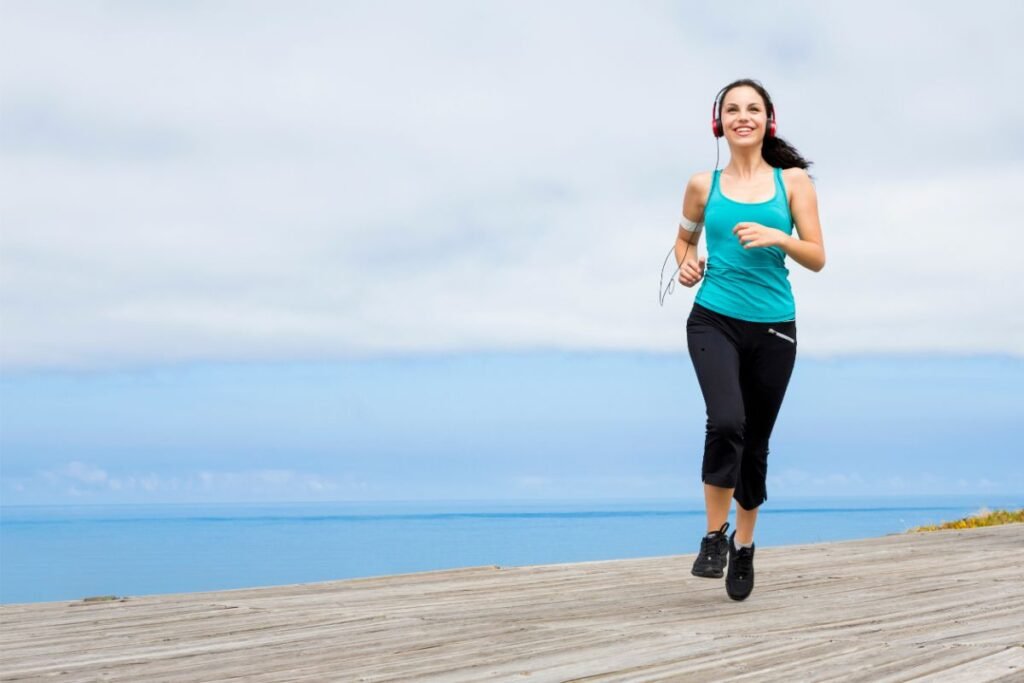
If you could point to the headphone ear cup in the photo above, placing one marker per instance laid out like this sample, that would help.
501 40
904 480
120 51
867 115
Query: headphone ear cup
716 119
771 128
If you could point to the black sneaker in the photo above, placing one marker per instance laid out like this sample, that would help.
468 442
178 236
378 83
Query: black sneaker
740 580
714 548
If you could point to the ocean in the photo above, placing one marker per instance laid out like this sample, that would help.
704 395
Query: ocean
71 552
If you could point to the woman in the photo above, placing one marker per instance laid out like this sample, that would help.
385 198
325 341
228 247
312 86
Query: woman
741 333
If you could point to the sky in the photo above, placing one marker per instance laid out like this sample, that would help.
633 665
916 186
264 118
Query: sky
328 251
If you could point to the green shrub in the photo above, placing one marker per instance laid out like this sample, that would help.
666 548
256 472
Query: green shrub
981 518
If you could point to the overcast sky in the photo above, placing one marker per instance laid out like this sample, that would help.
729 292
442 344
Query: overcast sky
327 180
202 187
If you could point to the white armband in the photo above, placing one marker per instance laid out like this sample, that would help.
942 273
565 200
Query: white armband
689 226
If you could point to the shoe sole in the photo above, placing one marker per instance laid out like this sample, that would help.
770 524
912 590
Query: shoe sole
737 597
709 576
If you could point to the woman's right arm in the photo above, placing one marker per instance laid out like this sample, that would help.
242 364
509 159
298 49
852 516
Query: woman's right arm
691 266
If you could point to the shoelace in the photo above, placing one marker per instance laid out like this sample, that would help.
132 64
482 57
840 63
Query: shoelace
707 549
719 539
743 563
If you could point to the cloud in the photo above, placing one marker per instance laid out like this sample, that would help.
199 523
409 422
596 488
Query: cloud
89 483
620 485
242 183
84 482
800 482
80 473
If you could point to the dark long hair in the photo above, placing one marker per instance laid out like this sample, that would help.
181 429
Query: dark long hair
774 150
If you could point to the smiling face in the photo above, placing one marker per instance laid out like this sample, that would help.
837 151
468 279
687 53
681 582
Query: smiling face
744 117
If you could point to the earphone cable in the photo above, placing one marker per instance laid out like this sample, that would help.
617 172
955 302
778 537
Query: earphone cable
664 291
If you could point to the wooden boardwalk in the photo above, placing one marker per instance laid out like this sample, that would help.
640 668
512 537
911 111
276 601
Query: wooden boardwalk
937 606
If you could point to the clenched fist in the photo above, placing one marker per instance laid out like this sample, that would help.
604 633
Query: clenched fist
692 271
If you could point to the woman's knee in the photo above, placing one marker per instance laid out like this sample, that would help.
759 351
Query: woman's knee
727 425
723 450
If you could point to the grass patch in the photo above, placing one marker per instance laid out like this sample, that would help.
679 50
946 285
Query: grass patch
983 517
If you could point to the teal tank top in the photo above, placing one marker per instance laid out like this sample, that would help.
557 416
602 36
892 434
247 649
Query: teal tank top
749 284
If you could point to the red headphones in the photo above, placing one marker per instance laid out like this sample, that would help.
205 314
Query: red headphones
716 118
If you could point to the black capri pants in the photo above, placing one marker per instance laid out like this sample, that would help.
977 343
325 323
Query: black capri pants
743 369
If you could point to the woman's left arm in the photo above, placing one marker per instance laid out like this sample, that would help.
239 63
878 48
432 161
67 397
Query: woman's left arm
808 250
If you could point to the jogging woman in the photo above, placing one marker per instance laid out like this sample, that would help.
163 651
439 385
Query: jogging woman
741 333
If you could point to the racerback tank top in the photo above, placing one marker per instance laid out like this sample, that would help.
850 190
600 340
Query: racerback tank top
749 284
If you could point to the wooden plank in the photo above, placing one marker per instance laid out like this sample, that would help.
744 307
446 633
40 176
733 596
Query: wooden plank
945 605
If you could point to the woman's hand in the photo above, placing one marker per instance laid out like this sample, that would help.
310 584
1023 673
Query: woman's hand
757 235
692 271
